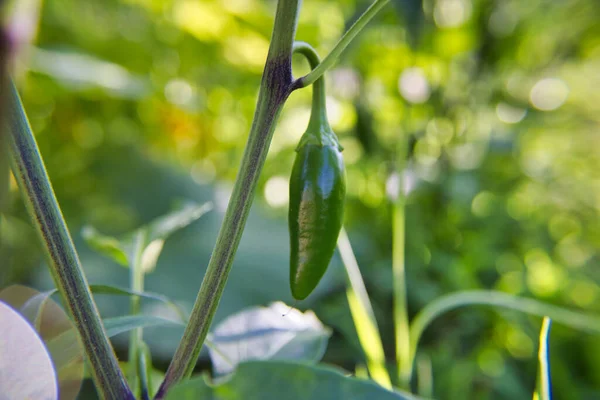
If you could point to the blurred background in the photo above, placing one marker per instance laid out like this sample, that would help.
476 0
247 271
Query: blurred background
140 104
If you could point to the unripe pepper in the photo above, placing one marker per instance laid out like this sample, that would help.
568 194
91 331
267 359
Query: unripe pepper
317 192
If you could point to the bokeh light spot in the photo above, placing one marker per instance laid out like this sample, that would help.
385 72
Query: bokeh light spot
543 277
277 191
413 85
549 94
509 114
451 13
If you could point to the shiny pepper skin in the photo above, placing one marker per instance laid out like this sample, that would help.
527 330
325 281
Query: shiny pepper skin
317 192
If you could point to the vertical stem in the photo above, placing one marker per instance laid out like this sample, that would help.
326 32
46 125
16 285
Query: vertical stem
276 86
136 282
399 274
28 168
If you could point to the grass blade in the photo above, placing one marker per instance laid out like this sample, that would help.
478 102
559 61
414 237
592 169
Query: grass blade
362 315
574 319
544 384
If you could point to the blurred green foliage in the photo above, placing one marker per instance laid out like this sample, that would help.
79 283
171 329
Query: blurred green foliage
140 103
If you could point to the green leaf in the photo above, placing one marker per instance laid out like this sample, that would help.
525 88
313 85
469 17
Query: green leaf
155 233
262 333
27 370
105 245
274 380
544 383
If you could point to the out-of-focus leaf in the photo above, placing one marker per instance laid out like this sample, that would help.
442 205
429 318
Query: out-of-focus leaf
544 382
27 371
271 380
164 226
154 235
82 71
262 333
105 245
150 255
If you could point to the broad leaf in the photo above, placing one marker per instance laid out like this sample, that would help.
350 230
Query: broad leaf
26 368
259 333
275 380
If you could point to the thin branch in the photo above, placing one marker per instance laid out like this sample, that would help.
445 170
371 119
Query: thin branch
341 45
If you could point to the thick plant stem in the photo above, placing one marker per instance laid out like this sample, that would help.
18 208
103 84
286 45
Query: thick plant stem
341 45
401 323
275 87
29 170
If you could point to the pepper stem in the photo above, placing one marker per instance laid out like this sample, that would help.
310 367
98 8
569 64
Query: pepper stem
318 125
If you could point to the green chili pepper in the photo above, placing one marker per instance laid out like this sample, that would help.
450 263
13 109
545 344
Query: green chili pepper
317 191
